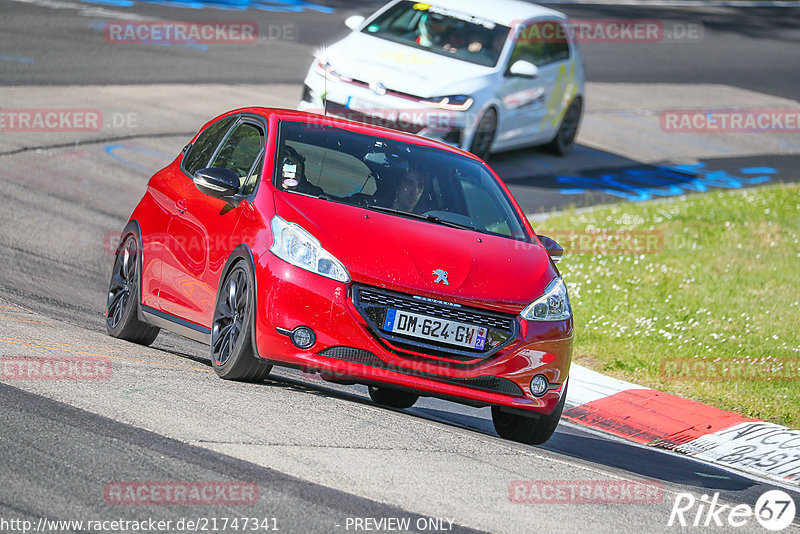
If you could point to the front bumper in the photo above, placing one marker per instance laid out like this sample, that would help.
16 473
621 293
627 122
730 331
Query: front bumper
354 100
347 347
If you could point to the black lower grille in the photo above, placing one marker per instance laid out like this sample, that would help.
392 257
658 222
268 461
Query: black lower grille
365 357
491 383
453 136
354 355
373 304
306 96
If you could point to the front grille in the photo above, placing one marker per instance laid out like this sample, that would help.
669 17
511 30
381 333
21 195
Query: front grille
409 303
373 304
365 357
391 92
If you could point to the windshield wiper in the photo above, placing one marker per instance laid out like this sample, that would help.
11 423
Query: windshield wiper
429 218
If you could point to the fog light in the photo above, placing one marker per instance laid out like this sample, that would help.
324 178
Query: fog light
538 385
303 337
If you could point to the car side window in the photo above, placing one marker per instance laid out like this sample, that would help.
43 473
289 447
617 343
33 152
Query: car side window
251 181
204 146
541 43
239 152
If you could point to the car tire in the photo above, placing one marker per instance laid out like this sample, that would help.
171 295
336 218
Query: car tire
122 317
525 429
232 353
393 398
483 137
564 141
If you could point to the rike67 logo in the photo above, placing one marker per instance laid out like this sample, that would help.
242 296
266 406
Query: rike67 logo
774 510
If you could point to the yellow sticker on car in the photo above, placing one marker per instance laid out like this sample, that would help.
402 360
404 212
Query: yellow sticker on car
563 91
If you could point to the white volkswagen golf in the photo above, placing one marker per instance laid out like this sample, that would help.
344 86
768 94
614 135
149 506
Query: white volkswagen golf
482 76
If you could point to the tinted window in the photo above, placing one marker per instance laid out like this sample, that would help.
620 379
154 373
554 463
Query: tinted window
541 43
393 177
240 150
203 148
441 31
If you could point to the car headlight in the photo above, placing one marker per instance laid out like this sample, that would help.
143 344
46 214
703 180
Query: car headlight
323 68
450 103
293 244
552 306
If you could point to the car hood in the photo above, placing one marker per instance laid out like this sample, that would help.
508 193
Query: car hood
402 254
399 67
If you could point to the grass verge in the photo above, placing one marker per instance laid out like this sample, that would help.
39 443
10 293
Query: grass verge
699 297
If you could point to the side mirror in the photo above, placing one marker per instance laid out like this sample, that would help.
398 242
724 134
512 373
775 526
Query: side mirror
554 249
354 22
216 182
525 69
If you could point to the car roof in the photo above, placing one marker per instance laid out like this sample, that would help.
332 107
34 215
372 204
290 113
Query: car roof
504 12
316 118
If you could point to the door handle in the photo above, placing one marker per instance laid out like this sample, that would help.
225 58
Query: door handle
181 205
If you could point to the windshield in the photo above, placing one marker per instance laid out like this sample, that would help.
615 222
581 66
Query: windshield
393 177
442 31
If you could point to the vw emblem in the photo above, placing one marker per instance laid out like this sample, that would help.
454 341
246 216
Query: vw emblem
378 88
441 277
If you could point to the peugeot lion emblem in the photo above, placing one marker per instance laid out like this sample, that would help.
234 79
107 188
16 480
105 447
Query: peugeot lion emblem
441 277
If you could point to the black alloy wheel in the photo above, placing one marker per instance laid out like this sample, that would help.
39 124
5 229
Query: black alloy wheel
232 354
122 319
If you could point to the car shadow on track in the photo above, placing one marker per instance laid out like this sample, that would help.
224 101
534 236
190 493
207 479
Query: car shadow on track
570 440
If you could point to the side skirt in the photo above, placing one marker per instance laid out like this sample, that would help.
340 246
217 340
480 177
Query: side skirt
175 324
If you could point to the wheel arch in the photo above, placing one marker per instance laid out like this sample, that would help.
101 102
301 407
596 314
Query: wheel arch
244 253
492 104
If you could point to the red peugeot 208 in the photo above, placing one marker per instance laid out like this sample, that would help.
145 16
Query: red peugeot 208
367 255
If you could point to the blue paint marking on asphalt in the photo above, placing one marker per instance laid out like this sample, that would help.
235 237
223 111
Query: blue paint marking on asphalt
17 58
638 184
111 151
279 6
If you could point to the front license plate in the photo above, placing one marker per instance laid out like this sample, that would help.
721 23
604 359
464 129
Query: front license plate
441 330
364 106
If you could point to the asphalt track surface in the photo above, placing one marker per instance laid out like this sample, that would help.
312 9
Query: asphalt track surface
319 453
